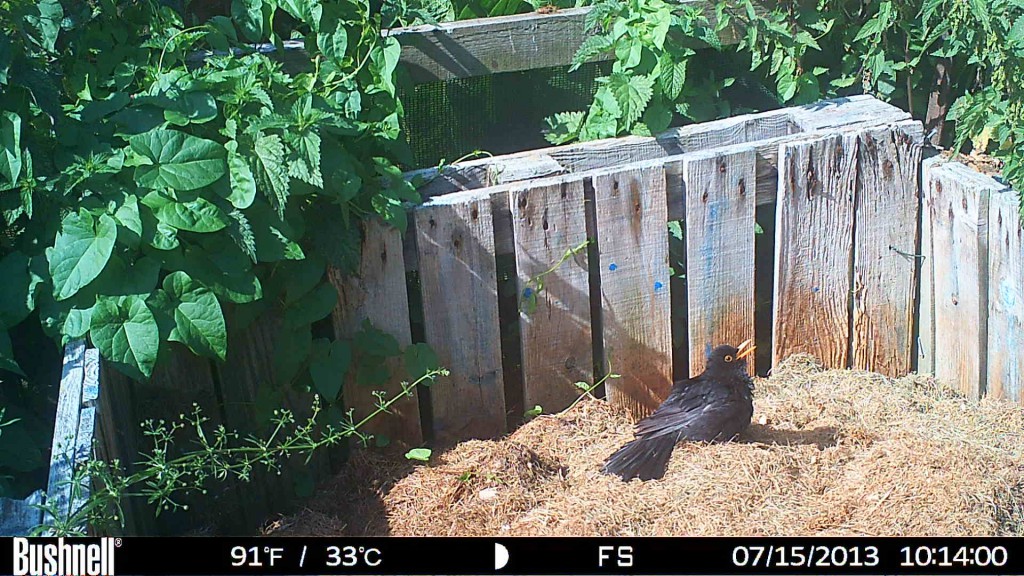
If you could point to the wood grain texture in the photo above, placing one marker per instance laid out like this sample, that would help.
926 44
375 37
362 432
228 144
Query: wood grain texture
555 326
65 429
960 212
483 46
632 221
1006 299
378 294
885 242
19 517
814 234
118 438
720 201
579 157
925 342
458 282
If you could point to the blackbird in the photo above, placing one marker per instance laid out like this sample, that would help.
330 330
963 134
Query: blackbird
715 405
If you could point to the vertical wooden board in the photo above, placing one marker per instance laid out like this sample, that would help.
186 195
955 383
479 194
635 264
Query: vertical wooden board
378 294
720 201
632 235
925 342
1006 299
118 435
960 215
557 348
814 233
458 283
86 422
884 251
65 429
19 517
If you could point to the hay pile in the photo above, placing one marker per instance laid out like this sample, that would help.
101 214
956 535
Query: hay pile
829 453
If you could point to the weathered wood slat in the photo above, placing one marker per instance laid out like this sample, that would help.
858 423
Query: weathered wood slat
925 343
720 200
632 221
555 324
583 156
378 294
118 439
87 422
483 46
960 212
65 430
455 243
885 244
814 232
1006 299
19 517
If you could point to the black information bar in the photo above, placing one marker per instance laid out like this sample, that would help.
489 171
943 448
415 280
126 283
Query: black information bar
517 556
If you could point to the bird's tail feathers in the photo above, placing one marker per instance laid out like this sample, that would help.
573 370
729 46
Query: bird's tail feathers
643 458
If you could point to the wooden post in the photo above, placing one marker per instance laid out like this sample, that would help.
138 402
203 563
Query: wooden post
960 214
632 223
549 220
814 234
720 200
458 280
1006 299
378 294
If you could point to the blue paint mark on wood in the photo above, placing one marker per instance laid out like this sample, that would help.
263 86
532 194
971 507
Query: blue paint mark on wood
658 286
613 266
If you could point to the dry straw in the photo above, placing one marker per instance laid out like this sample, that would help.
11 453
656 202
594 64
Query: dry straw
830 453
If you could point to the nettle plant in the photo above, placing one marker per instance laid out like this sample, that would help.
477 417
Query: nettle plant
151 196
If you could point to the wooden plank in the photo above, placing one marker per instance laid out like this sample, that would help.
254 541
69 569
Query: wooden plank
884 251
1006 299
632 220
458 282
378 294
117 441
19 517
582 156
65 429
925 341
483 46
86 423
554 317
720 201
960 213
814 233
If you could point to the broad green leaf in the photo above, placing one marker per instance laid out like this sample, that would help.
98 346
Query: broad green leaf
80 251
198 215
373 341
198 319
420 359
591 47
248 16
333 38
291 349
330 368
10 149
192 108
243 184
77 323
126 334
273 171
632 93
672 77
301 277
314 306
7 354
420 454
18 287
129 220
45 21
179 160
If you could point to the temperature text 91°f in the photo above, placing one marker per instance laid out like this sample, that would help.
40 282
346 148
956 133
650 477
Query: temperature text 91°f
351 556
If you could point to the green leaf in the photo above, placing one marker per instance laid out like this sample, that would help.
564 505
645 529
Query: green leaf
77 323
291 349
198 319
421 454
178 160
192 108
10 149
329 369
198 215
248 16
333 38
80 251
372 341
7 354
243 184
273 171
672 77
591 47
126 334
564 127
314 306
18 287
129 221
632 94
420 359
45 22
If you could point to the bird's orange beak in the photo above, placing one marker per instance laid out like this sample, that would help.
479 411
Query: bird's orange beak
746 349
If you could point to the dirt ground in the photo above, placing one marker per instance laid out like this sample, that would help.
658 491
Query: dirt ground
829 453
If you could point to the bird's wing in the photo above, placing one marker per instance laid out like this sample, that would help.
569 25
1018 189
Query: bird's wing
696 410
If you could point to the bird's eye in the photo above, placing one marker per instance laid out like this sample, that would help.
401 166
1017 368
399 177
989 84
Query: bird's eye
728 358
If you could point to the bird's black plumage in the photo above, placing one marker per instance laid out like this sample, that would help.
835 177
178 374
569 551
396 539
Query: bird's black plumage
713 406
